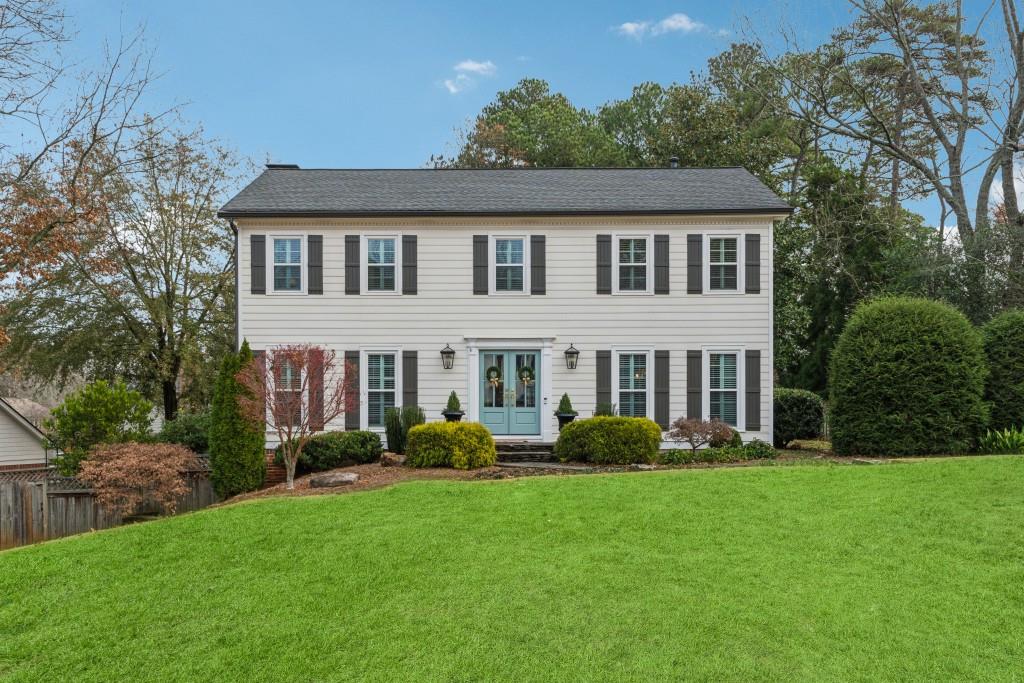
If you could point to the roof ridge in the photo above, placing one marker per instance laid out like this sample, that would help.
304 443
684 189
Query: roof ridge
283 167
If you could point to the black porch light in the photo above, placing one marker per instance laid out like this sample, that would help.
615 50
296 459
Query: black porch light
572 356
447 357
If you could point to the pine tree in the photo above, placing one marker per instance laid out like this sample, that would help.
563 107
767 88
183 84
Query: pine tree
236 444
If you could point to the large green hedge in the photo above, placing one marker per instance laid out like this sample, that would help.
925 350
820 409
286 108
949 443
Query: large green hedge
799 414
1004 390
907 378
463 445
237 461
330 450
609 441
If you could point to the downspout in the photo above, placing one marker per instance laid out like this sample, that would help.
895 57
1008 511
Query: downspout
238 293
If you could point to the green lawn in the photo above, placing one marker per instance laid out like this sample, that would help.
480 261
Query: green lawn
899 572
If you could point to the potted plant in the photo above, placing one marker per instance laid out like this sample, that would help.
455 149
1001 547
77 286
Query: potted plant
453 411
565 413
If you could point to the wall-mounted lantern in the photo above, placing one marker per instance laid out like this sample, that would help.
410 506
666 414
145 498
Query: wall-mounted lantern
447 357
572 356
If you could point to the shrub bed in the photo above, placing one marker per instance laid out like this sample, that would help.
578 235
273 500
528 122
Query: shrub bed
907 378
1004 389
799 414
462 445
755 450
609 441
335 449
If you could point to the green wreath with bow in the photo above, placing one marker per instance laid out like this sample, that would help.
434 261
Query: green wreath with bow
493 375
527 375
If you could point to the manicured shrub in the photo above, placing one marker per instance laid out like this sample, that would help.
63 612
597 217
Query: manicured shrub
565 406
237 461
126 475
759 450
97 413
1009 440
463 445
398 422
696 433
907 378
755 450
1004 390
799 414
609 440
454 405
191 430
604 409
335 449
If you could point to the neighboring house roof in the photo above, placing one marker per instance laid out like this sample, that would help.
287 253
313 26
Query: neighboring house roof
8 409
32 411
289 191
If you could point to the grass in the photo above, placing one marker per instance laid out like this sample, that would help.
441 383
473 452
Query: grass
898 572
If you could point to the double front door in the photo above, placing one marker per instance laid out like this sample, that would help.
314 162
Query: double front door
510 391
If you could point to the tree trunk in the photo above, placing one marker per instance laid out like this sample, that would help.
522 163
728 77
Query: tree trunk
289 468
170 392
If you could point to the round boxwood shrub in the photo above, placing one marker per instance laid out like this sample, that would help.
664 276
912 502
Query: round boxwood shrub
1004 390
336 449
799 414
907 378
462 445
191 430
609 441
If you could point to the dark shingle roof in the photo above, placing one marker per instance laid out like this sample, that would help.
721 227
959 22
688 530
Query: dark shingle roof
550 191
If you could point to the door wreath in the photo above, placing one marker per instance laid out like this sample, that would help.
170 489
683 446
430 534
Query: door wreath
526 375
493 375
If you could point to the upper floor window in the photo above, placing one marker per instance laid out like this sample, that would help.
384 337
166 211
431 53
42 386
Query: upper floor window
632 272
380 387
723 387
509 264
287 264
632 385
723 273
381 263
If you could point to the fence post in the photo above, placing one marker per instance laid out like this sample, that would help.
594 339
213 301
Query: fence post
46 507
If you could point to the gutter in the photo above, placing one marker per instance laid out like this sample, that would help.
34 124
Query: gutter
773 211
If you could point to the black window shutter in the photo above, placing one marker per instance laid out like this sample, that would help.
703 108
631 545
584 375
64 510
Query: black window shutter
258 263
538 265
694 386
352 264
604 376
753 390
661 388
352 381
410 378
315 385
604 264
480 264
408 264
315 267
661 261
752 257
694 264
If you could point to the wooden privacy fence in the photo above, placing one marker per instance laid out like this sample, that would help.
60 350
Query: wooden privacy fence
40 506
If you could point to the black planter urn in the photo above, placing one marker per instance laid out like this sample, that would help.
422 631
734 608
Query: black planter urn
453 415
564 419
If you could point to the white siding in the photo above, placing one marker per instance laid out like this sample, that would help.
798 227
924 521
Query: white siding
445 311
18 446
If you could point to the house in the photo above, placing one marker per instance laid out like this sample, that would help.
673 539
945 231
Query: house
22 445
660 279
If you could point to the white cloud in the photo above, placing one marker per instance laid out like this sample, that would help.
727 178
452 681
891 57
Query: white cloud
466 73
677 22
479 68
673 23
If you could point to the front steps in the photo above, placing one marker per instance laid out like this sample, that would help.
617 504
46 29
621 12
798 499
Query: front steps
525 452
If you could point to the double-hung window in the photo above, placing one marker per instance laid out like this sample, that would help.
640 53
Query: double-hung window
632 267
380 386
723 384
287 254
723 266
381 268
288 392
632 384
509 264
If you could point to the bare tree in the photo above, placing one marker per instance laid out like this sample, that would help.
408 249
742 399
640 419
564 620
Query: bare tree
296 391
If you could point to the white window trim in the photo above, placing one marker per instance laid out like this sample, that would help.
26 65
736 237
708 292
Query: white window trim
741 388
268 359
647 351
364 255
492 265
303 256
364 388
649 237
740 268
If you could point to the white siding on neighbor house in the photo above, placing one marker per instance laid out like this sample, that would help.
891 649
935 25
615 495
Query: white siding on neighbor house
18 445
445 310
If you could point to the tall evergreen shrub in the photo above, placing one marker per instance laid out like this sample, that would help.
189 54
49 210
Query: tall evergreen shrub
907 378
236 444
1004 349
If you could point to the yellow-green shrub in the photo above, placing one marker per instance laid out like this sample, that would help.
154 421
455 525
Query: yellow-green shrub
463 445
609 440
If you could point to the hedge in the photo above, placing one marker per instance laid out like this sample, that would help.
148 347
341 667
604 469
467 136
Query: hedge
1004 348
799 414
609 441
463 445
907 378
753 450
237 462
336 449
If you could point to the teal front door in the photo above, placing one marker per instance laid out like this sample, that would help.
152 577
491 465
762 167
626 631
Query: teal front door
510 392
